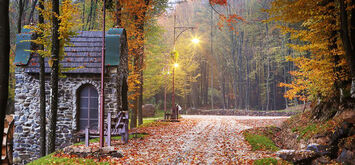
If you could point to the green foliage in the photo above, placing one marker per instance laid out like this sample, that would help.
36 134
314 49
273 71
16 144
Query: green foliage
306 128
50 159
311 129
260 142
155 72
266 161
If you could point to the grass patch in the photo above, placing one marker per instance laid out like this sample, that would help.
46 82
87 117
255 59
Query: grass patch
306 128
96 140
159 114
50 159
266 161
260 142
154 124
270 161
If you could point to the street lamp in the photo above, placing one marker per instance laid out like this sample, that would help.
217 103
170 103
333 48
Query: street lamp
195 40
176 65
174 112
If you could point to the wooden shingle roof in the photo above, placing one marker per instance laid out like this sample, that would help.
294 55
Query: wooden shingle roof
84 54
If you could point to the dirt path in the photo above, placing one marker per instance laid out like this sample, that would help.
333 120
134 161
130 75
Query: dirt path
196 140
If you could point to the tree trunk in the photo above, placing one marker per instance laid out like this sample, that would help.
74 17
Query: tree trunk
124 91
240 70
133 123
42 104
267 84
224 90
235 81
4 61
205 89
20 13
83 17
30 17
118 13
140 107
247 84
134 113
268 72
87 26
141 62
54 78
212 56
348 38
93 19
285 88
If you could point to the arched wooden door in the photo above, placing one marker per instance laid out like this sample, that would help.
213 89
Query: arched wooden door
88 111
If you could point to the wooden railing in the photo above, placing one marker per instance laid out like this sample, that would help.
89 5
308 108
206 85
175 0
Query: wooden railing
7 142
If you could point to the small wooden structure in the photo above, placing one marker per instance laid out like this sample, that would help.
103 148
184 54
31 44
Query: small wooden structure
115 126
7 141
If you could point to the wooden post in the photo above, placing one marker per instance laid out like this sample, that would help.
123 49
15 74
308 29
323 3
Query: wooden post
109 129
87 137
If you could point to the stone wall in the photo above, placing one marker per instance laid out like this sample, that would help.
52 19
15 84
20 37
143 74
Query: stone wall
232 112
26 135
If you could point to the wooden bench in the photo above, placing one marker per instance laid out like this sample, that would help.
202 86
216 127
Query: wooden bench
7 140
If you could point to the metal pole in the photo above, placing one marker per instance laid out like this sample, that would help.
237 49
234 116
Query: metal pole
174 31
173 94
173 97
165 101
102 109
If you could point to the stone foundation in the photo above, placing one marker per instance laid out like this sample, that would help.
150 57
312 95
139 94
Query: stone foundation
27 119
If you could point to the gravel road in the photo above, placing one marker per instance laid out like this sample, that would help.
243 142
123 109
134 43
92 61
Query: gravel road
197 140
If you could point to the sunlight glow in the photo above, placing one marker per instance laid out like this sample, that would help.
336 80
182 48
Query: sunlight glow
195 40
176 65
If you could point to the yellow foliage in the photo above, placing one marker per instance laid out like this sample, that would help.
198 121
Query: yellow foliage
44 31
133 16
311 25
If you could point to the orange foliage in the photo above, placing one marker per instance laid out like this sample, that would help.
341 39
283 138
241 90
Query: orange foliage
230 19
218 2
132 18
317 44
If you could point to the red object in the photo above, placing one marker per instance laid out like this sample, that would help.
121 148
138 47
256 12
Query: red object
218 2
102 109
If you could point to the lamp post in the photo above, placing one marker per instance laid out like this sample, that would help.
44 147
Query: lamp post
167 73
174 112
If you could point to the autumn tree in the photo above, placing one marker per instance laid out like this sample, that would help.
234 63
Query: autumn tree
347 33
42 106
53 35
4 61
133 16
323 36
54 77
